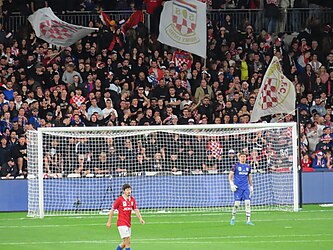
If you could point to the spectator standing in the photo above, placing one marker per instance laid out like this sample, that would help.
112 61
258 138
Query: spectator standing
271 9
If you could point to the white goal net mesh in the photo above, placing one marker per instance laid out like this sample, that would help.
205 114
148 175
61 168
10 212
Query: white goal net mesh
170 168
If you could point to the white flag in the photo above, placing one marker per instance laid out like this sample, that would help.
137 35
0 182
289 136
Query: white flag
276 94
51 29
183 26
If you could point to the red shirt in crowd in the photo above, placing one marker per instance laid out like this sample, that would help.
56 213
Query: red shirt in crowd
151 5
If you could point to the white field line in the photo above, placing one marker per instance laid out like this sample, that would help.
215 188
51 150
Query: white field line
189 240
166 215
162 222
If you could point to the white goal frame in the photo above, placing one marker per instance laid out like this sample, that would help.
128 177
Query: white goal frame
40 213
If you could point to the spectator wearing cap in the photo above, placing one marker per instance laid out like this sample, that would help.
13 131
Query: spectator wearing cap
325 143
9 169
184 119
49 119
34 119
319 161
69 73
229 160
126 77
319 106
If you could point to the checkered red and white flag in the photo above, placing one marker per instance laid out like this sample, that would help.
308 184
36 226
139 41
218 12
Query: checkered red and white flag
183 26
276 94
51 29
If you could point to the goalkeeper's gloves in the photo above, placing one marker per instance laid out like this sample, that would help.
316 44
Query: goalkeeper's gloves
233 187
251 190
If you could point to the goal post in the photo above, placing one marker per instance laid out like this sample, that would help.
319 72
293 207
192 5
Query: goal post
80 170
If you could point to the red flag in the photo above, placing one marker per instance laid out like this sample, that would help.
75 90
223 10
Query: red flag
181 57
133 20
105 18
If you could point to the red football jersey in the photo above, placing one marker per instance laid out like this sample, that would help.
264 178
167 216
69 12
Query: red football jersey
124 208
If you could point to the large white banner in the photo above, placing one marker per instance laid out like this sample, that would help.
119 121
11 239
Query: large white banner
183 25
276 94
51 29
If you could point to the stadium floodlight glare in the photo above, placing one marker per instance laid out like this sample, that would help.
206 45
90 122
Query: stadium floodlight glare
80 170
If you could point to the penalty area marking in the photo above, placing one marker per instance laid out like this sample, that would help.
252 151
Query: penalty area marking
160 222
167 214
326 205
190 240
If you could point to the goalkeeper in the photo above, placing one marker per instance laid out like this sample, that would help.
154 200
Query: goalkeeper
240 180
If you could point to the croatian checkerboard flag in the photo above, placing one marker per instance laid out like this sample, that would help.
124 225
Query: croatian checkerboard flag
183 26
51 29
276 94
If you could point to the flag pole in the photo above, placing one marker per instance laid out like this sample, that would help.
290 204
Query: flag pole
299 158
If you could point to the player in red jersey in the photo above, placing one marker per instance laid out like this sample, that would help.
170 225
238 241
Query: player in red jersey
124 204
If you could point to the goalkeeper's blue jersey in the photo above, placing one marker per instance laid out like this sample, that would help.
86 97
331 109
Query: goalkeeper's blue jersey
241 172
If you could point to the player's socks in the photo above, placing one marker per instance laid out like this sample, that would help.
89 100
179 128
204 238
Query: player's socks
248 212
235 208
232 221
128 248
119 248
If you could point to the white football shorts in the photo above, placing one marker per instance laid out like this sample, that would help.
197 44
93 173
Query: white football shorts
124 231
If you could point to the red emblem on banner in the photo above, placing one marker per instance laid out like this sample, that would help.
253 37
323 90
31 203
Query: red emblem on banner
57 30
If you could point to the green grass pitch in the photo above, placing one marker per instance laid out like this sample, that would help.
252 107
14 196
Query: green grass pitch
312 228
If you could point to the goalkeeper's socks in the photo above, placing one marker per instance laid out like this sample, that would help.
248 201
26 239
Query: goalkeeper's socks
119 248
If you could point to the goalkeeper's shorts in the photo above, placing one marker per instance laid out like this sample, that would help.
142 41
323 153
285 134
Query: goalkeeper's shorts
242 194
124 231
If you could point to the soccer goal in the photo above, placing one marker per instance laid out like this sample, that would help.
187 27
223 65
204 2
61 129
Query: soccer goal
80 170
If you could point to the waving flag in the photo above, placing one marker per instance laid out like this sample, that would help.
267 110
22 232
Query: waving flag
133 20
105 18
276 94
51 29
183 26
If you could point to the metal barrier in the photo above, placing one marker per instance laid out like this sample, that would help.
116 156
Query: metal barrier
296 19
15 22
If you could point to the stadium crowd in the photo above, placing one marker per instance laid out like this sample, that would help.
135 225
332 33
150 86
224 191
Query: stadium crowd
116 78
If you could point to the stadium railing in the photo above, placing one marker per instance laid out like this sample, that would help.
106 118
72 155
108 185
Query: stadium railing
240 18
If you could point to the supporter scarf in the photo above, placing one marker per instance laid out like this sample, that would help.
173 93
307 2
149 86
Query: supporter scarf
115 40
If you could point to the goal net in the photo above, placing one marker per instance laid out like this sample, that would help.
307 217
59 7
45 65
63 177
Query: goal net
74 171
